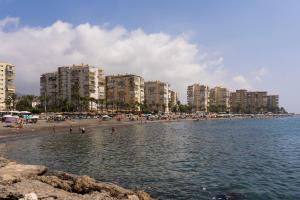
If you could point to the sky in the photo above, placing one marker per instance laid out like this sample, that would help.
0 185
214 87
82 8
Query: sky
251 44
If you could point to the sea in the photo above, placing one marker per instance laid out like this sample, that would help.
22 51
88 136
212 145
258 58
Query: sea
237 159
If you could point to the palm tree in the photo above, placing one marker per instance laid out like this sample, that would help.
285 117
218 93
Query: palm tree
137 106
7 102
13 100
91 101
164 107
102 102
83 103
157 106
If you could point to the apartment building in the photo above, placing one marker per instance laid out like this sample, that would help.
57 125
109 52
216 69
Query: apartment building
157 96
48 88
256 102
238 101
124 90
72 83
7 83
198 97
219 99
173 98
243 101
273 103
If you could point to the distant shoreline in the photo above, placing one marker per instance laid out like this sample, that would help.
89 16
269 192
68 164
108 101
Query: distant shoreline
43 127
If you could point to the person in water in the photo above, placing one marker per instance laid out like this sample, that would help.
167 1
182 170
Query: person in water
71 129
113 129
82 130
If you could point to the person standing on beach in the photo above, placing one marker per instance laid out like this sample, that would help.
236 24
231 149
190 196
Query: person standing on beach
54 129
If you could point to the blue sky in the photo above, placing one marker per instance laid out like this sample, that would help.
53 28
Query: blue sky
256 39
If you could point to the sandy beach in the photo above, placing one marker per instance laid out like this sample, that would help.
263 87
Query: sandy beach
44 127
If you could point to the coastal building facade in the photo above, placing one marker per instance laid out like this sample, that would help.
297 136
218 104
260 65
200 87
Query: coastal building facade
48 87
253 102
273 103
256 102
198 97
157 96
238 101
173 98
74 84
219 99
124 92
7 84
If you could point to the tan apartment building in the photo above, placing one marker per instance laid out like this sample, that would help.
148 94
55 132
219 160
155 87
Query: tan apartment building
238 101
243 101
219 99
157 96
7 83
173 98
198 97
256 102
273 103
125 90
72 83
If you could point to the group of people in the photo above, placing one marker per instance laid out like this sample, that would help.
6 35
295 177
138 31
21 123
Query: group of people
81 129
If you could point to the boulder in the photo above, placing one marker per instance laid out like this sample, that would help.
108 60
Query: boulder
32 182
13 172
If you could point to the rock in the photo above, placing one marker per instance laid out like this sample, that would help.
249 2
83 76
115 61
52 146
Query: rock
143 195
62 175
42 190
33 182
3 162
30 196
56 182
13 172
84 185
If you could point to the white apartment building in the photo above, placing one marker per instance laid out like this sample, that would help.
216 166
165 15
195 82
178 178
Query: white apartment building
73 82
198 97
7 83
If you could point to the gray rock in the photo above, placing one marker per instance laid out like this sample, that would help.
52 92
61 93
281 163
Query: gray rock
29 182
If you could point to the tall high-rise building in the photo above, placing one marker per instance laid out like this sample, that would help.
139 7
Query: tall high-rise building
219 99
7 83
48 87
72 83
173 98
256 102
157 96
273 103
238 101
198 97
243 101
124 90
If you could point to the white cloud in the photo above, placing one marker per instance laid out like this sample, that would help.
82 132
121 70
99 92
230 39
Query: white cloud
241 82
9 21
155 56
260 73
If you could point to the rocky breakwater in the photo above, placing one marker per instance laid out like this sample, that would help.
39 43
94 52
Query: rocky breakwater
36 182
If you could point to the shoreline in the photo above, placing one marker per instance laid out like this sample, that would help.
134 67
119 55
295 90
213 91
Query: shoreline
43 127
